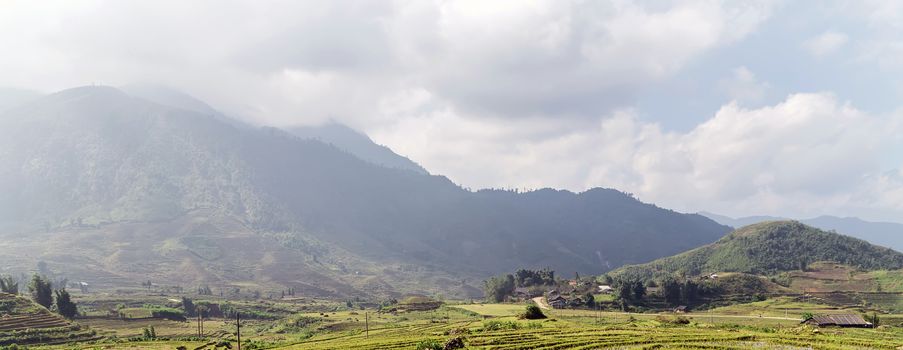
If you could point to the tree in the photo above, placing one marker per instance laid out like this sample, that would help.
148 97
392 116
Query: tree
529 278
630 290
671 291
188 306
873 319
41 291
624 291
9 285
150 333
605 279
639 290
590 300
499 287
689 292
64 304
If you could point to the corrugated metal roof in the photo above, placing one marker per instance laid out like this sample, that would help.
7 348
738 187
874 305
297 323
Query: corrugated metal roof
840 320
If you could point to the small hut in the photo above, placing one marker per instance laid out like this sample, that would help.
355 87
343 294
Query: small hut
841 320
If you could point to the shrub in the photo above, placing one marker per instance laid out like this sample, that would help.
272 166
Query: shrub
533 312
429 344
454 343
168 313
493 325
673 320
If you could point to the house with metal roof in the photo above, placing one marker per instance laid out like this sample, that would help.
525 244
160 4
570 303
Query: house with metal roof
840 320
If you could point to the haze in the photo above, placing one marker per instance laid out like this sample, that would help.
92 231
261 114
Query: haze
741 108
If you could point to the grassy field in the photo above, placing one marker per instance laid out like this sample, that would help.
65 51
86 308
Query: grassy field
636 335
495 326
493 310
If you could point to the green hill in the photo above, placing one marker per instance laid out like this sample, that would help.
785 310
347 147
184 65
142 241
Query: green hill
769 248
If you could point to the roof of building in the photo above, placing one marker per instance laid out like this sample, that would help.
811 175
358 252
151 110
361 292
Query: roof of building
555 298
839 320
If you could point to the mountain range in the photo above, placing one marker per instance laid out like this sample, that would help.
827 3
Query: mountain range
113 186
888 234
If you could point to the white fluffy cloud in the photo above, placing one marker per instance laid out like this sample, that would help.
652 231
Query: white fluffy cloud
807 155
507 93
290 62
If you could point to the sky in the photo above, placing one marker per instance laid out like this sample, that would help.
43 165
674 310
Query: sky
791 109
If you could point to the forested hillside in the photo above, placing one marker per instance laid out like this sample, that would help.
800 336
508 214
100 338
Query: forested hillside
768 248
98 159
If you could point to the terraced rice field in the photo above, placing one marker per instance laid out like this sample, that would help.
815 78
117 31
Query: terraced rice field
564 335
35 321
22 322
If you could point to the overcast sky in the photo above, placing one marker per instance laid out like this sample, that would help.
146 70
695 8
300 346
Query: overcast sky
737 108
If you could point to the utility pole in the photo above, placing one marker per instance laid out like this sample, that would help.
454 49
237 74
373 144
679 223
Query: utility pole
238 328
366 325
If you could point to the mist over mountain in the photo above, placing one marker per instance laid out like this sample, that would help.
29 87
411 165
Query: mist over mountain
10 97
887 234
356 143
193 196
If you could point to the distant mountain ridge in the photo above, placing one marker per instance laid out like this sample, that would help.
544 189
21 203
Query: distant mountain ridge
336 134
768 248
108 187
888 234
356 143
10 98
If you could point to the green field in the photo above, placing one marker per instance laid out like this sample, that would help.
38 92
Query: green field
761 325
643 335
494 310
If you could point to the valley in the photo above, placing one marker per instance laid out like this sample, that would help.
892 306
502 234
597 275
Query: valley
166 233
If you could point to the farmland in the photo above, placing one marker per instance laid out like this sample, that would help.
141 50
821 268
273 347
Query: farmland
494 326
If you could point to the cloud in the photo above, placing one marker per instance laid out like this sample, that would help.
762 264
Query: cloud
808 155
290 62
825 43
517 93
744 86
572 58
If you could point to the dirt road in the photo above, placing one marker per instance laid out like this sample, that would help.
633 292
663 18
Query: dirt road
541 302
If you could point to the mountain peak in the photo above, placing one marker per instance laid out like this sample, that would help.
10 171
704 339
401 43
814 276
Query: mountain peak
769 228
88 91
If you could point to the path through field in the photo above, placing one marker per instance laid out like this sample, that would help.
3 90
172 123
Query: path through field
541 302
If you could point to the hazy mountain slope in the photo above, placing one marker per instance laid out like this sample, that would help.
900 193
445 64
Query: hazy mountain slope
356 143
10 98
771 247
96 158
740 222
173 98
341 136
168 96
886 234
